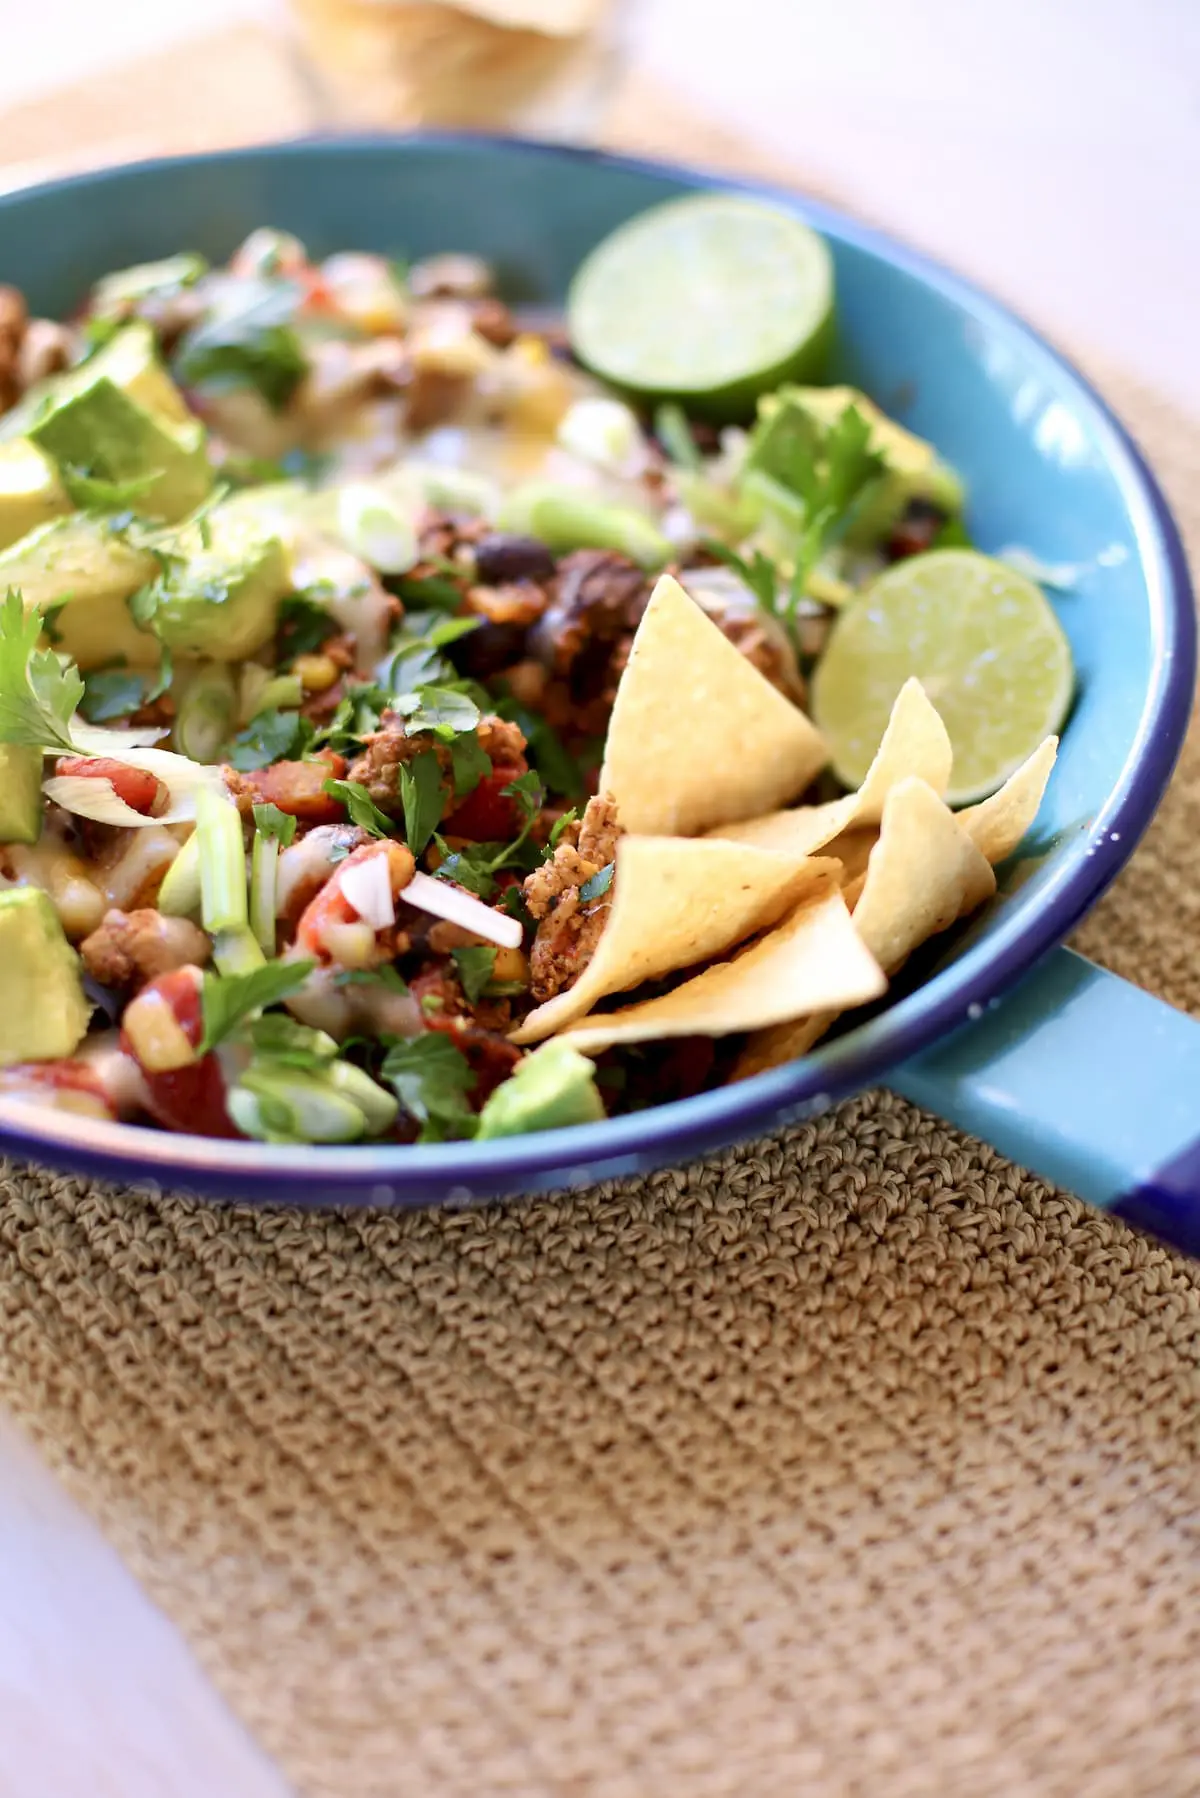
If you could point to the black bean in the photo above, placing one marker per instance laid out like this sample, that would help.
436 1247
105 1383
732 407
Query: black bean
487 649
502 556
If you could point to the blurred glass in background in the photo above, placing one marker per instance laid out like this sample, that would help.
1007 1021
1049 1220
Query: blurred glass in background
545 67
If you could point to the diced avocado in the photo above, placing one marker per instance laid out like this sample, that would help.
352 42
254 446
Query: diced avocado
791 423
20 793
130 360
43 1012
223 599
95 569
30 490
103 432
552 1088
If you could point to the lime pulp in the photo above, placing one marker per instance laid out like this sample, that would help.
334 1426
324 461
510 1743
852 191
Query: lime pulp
984 643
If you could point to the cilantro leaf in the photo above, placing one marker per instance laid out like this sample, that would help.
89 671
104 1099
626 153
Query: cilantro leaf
431 1079
598 884
434 591
381 976
470 762
92 493
475 965
303 626
557 829
39 693
110 693
247 339
361 808
544 747
271 737
269 821
529 794
226 1000
437 709
423 797
759 574
473 867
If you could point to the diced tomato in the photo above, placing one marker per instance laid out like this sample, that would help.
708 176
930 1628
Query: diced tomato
317 297
190 1098
299 788
491 1056
489 814
142 792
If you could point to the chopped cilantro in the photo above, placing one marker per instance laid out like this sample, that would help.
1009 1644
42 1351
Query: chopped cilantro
598 885
227 1000
432 590
361 808
91 493
558 768
512 902
473 867
423 797
304 625
110 693
431 1079
560 825
529 794
269 821
39 690
475 965
271 737
442 710
247 339
470 763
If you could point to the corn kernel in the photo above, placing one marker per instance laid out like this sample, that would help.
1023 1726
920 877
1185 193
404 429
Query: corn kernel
511 964
316 673
534 351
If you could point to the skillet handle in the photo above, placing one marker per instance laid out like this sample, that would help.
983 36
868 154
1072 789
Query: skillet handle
1089 1082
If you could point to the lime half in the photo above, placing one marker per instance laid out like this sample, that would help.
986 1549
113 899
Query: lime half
710 300
984 643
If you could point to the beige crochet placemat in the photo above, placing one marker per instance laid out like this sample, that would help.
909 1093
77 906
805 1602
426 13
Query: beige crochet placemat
854 1463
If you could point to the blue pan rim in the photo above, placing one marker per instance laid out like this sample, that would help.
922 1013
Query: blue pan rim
464 1172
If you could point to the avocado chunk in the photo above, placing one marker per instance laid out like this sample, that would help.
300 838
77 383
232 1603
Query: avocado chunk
792 423
221 598
20 793
30 490
43 1012
551 1089
119 418
81 560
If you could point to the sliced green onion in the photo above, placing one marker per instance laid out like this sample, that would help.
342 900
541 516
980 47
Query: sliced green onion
566 518
283 693
378 1107
274 1103
206 713
179 894
222 863
236 952
264 867
374 525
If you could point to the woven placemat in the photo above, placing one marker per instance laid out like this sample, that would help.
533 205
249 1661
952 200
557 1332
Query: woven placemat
855 1462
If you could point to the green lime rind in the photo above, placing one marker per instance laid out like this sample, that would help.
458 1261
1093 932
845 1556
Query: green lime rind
710 300
983 641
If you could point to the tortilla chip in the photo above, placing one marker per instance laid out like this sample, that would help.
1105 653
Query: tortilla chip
676 903
815 958
996 825
923 874
697 736
915 743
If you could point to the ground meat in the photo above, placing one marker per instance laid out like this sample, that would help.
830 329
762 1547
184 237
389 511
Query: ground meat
569 928
448 537
386 751
14 317
584 636
130 948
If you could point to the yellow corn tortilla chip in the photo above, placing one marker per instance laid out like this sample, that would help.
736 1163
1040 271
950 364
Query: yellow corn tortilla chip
677 903
697 736
815 958
923 874
915 743
558 18
996 825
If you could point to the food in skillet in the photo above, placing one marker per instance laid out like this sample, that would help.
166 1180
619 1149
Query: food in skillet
405 735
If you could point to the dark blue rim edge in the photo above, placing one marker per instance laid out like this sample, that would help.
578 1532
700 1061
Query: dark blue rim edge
389 1175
